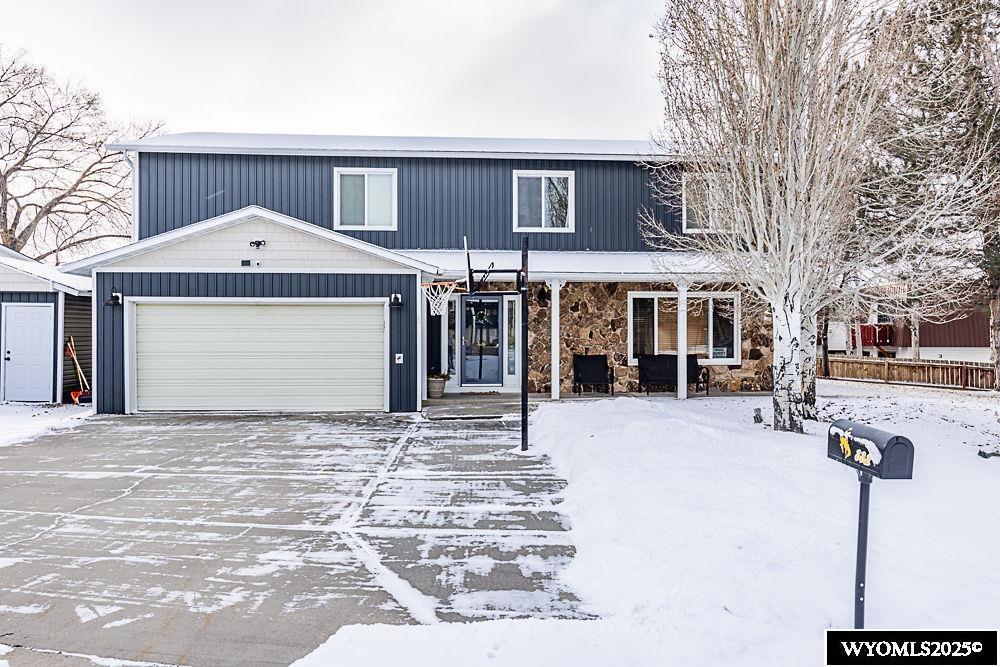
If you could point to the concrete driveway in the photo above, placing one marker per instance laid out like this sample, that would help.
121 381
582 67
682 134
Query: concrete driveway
213 540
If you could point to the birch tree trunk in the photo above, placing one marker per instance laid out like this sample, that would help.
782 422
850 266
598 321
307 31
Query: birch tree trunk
859 346
808 353
787 366
826 342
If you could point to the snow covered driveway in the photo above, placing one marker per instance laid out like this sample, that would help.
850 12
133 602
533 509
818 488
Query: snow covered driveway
238 540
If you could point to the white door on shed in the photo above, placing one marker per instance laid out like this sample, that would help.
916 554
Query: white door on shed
28 346
260 357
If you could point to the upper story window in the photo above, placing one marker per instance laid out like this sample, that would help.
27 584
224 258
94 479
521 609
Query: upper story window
364 198
700 213
543 201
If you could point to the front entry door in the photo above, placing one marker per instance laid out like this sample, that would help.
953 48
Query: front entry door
481 341
28 349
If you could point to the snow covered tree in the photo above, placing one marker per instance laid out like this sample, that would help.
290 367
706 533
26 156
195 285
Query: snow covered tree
942 124
779 107
61 191
945 113
988 53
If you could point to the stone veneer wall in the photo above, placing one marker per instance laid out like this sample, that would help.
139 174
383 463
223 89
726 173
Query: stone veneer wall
593 319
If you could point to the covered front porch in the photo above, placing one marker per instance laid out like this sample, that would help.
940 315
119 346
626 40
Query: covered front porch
634 311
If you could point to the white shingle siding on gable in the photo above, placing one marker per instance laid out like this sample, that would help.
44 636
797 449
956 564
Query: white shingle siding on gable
285 248
15 281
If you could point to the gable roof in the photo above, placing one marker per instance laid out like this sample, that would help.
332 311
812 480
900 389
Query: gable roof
11 253
84 266
384 146
59 281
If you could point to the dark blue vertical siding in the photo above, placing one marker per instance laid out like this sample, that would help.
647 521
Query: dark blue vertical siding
439 199
402 322
40 297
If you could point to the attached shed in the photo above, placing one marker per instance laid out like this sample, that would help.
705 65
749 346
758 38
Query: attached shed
40 309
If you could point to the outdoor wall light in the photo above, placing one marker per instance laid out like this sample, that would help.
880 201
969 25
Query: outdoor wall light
115 299
395 300
257 244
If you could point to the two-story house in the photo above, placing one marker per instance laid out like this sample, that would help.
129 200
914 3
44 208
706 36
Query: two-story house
279 272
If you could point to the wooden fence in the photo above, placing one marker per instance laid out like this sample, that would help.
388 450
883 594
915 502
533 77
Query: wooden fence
959 374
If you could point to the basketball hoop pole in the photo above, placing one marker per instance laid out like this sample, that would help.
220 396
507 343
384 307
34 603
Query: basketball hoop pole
523 289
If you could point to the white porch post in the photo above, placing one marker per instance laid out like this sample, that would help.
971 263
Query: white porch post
682 343
554 287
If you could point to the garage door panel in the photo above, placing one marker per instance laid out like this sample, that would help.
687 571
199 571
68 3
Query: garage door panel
260 357
355 368
224 341
277 403
307 349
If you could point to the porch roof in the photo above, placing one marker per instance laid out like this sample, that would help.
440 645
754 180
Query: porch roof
573 265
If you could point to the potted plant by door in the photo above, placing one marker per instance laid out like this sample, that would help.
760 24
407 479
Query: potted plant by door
435 384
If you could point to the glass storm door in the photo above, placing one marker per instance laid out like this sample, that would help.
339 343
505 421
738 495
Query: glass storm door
482 350
512 342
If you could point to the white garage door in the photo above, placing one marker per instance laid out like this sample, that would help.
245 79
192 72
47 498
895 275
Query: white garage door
263 357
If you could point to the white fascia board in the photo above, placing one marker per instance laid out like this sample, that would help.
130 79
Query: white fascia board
534 276
52 283
236 217
496 155
70 290
597 277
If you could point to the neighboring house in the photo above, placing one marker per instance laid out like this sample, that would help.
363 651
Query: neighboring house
40 308
965 339
279 272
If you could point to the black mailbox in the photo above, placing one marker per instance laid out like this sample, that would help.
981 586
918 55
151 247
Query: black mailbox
876 452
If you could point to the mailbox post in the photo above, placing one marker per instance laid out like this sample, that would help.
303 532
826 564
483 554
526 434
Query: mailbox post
873 453
861 563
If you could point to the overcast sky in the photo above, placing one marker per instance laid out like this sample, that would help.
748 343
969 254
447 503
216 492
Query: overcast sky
528 68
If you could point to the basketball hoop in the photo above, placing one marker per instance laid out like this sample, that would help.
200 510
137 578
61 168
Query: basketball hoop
438 293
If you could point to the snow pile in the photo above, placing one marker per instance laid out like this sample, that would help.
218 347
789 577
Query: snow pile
22 421
703 538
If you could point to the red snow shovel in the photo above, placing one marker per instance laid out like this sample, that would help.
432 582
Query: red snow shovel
81 395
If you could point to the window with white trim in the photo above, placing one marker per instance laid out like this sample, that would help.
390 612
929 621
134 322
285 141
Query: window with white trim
364 198
699 206
543 201
713 325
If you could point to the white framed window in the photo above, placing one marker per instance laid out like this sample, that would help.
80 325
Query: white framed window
543 201
713 326
364 198
699 209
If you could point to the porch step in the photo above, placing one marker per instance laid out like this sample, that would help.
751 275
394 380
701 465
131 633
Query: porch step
475 406
456 410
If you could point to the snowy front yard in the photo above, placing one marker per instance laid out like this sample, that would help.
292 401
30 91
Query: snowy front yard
22 421
705 539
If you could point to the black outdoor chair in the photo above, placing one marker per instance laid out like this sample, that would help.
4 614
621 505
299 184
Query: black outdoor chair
697 374
592 370
657 370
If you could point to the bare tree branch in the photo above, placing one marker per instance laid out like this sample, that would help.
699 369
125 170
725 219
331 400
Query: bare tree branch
61 190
